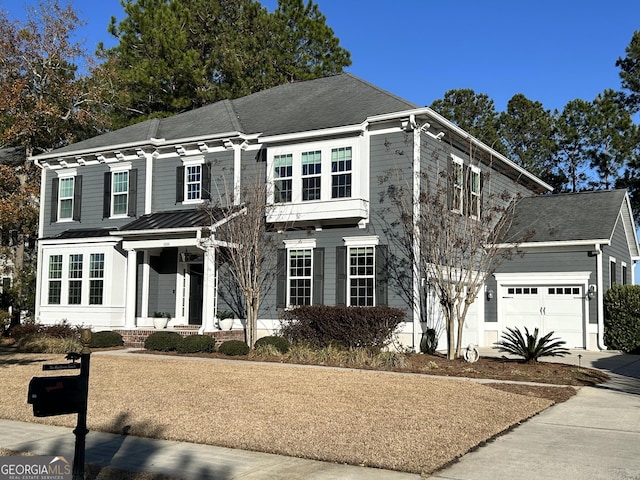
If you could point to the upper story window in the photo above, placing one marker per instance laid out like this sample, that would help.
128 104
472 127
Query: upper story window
341 172
465 188
66 192
624 279
283 178
193 181
120 191
311 175
612 272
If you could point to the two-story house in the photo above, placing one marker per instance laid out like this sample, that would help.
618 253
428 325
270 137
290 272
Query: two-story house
123 233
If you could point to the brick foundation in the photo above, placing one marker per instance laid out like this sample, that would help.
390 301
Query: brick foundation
135 338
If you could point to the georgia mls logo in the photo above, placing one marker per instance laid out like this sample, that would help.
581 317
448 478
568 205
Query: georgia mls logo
34 468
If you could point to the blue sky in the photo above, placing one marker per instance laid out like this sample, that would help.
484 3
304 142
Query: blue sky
551 51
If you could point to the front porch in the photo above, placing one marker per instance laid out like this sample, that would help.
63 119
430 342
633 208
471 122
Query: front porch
134 338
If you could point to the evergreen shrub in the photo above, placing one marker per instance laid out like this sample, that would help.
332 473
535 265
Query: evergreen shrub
163 341
106 339
280 343
197 344
233 348
622 318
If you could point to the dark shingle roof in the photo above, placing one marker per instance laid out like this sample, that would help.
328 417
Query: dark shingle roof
567 217
293 107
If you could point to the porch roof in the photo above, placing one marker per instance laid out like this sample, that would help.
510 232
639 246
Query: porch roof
175 220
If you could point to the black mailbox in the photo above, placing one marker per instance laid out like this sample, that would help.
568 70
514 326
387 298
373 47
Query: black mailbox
56 395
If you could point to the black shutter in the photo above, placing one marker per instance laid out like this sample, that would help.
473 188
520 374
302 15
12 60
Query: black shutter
54 199
77 197
317 297
341 275
179 184
133 192
281 279
482 180
450 184
106 198
382 279
206 181
466 190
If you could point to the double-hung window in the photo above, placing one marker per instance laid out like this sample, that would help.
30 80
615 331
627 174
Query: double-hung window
474 192
311 175
341 172
457 181
96 278
65 196
283 178
55 280
120 193
300 276
193 179
75 279
361 276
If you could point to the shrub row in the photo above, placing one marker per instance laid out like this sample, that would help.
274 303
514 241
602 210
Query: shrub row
30 329
349 327
174 342
622 318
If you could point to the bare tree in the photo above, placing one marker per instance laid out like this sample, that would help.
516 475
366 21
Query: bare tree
249 248
449 234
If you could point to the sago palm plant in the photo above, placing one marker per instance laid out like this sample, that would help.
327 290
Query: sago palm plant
529 346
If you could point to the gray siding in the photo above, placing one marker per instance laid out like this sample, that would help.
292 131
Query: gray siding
618 249
92 199
575 261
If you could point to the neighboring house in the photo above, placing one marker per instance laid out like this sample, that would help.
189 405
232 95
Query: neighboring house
580 245
123 233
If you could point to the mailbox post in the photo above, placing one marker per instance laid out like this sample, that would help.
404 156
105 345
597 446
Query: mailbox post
66 394
81 428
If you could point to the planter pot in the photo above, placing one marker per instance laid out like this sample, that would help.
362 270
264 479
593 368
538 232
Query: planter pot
225 323
160 322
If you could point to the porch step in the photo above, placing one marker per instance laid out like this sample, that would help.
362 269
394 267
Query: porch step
135 338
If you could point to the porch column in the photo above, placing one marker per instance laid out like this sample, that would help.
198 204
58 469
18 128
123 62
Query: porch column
130 300
209 290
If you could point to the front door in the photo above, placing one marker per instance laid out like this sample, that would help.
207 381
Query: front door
195 293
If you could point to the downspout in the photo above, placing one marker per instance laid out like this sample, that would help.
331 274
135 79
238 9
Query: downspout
600 297
417 330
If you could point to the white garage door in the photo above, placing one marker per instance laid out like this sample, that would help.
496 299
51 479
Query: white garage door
557 308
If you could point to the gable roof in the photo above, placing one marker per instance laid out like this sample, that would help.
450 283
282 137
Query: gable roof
573 217
325 102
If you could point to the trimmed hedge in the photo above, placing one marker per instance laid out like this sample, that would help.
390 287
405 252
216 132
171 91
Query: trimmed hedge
280 343
234 348
622 318
163 341
348 327
197 344
106 339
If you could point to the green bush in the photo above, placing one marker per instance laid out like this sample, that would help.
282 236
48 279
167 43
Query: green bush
197 344
622 318
281 343
348 327
234 348
163 341
529 346
106 339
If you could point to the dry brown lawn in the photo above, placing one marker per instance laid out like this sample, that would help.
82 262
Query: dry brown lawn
396 421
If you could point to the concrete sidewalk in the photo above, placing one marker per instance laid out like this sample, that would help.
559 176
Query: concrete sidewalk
187 461
594 435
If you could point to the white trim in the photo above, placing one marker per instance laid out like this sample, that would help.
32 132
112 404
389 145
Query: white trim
560 243
67 172
120 167
363 241
326 132
300 243
543 278
197 160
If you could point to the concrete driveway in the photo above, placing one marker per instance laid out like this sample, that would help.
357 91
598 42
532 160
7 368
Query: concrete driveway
594 435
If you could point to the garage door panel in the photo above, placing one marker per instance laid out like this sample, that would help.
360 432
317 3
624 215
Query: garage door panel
557 308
